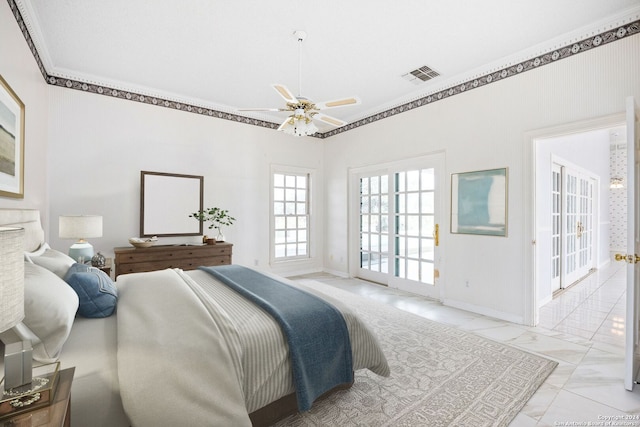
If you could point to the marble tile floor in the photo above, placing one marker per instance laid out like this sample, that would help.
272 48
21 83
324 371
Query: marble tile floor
582 329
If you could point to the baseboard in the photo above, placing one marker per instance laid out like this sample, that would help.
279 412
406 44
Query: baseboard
338 273
544 301
298 272
509 317
604 264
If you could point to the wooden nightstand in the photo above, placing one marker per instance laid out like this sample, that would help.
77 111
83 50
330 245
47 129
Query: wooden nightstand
107 266
58 414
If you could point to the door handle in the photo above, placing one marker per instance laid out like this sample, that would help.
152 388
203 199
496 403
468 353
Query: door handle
631 259
579 229
436 234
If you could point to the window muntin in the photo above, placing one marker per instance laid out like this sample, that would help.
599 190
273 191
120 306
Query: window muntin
374 227
414 225
290 215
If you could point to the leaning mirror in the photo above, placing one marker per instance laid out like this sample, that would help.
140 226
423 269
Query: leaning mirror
166 200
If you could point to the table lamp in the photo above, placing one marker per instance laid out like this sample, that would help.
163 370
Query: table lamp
17 353
80 227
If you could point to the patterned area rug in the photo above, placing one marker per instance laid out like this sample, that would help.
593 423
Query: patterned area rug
440 376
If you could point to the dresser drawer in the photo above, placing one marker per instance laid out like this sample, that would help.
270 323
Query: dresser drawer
184 252
185 264
132 260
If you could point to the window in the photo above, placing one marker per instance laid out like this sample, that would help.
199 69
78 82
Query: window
290 215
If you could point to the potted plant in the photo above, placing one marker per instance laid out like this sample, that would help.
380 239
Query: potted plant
217 217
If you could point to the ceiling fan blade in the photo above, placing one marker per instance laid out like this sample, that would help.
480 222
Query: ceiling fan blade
344 102
262 109
329 120
285 93
287 121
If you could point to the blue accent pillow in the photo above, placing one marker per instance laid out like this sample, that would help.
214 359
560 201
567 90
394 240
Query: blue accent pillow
97 292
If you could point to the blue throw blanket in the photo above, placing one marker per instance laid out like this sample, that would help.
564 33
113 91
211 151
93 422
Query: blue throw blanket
315 330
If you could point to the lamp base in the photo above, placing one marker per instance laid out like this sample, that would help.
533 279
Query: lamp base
17 360
81 251
38 393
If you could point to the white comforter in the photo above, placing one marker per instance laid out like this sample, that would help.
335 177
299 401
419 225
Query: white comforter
191 351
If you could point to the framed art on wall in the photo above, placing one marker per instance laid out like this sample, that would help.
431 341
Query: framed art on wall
11 142
479 202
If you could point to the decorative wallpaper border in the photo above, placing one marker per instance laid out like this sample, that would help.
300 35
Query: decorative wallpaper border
504 73
549 57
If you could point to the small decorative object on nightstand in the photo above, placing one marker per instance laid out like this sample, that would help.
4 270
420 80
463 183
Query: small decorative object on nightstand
55 413
98 260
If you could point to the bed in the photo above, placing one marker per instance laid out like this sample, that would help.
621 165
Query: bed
180 350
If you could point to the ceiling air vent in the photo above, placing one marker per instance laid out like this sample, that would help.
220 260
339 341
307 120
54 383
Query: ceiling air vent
420 75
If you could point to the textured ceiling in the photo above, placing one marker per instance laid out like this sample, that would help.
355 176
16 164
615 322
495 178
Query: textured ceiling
224 55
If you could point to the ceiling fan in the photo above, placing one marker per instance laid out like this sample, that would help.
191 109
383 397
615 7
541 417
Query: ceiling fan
304 111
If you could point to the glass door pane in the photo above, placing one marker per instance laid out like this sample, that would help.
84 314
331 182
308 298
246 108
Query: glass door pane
414 217
374 228
556 226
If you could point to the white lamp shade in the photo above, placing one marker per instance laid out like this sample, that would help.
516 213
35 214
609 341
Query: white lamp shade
11 277
80 226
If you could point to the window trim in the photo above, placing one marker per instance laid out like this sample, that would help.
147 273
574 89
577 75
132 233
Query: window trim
311 230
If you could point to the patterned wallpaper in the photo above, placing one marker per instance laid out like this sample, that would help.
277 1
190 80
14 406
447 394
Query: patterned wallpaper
618 198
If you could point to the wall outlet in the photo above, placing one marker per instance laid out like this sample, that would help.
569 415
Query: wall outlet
466 283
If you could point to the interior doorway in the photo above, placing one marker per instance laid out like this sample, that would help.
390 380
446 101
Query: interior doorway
574 224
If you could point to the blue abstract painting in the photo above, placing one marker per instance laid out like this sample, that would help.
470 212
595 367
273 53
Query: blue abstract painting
479 202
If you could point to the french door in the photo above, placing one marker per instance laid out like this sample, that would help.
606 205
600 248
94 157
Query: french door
398 212
572 238
632 313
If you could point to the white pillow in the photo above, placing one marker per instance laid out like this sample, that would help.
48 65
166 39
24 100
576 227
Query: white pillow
50 306
52 260
43 247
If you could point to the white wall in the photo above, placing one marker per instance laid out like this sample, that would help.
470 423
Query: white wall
98 146
482 129
94 148
19 69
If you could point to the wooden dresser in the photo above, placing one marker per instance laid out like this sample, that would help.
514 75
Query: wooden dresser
190 257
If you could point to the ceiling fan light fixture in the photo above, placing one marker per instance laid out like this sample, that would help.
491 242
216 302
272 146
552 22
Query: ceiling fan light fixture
298 125
616 183
299 114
